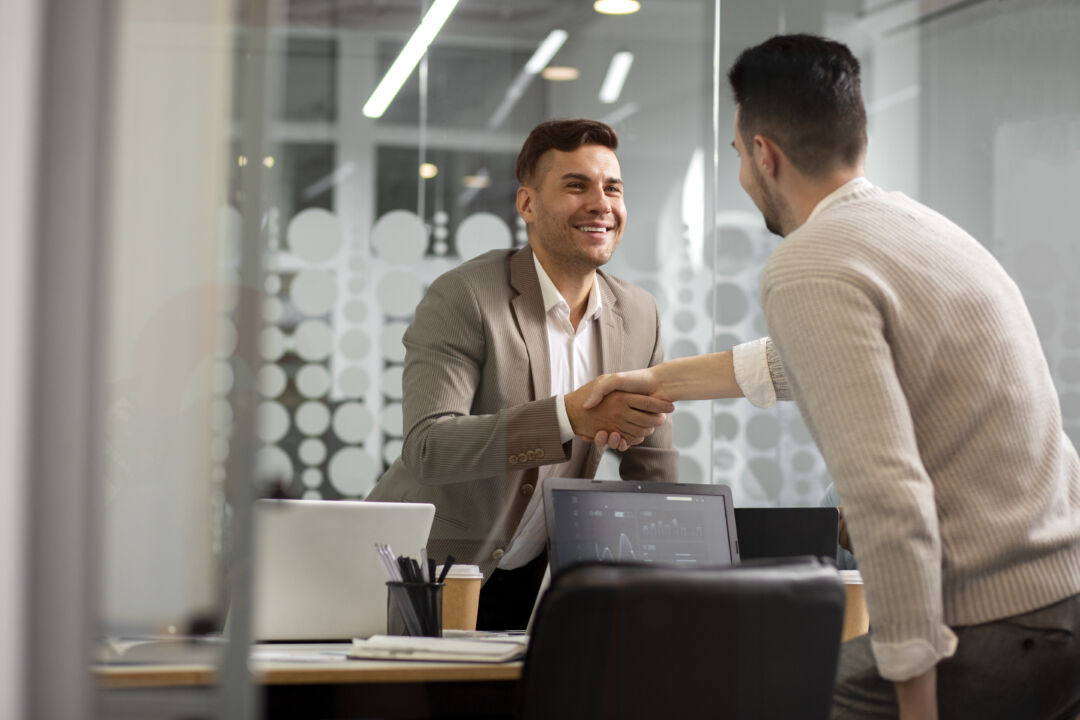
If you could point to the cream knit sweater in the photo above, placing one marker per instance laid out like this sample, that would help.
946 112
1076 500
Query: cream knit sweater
917 368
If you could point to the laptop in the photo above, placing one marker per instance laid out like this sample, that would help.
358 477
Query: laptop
616 520
316 574
786 532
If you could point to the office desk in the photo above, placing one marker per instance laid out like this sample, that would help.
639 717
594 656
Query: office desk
342 688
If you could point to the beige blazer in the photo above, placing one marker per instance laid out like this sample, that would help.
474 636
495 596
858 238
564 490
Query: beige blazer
479 417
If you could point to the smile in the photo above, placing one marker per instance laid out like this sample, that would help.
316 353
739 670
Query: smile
593 228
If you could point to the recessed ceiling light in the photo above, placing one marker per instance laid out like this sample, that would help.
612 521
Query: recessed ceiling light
560 73
428 171
616 7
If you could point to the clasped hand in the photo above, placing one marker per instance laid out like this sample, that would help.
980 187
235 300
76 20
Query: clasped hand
617 410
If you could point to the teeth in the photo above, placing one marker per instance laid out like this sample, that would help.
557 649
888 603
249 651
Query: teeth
587 228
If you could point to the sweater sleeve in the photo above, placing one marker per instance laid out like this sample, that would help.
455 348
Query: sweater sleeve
832 339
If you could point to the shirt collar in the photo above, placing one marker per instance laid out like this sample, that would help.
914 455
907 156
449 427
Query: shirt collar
553 298
851 187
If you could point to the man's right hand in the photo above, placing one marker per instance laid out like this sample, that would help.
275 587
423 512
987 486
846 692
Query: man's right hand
633 416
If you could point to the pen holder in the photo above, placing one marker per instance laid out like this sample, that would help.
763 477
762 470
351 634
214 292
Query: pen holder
414 609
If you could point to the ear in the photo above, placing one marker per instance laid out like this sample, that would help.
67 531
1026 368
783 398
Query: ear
524 204
767 156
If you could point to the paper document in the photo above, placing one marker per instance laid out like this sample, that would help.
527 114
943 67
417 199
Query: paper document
399 647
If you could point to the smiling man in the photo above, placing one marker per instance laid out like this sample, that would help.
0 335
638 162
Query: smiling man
494 354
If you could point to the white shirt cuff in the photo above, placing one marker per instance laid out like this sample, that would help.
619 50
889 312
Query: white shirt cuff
566 430
903 661
752 372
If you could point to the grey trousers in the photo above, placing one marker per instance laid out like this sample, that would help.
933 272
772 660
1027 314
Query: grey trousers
1025 667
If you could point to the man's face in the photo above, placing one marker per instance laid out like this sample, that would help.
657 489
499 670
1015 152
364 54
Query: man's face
773 207
574 208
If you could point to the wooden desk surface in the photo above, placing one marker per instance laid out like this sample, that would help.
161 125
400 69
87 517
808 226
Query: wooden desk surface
288 671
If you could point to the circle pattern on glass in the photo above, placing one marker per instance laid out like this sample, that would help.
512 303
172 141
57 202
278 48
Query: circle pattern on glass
685 320
398 294
314 340
725 426
312 418
683 348
391 382
390 420
352 422
768 476
733 252
314 235
355 344
312 477
390 341
272 309
353 382
272 380
392 451
352 472
763 432
272 466
272 343
313 381
399 237
479 233
686 429
312 451
314 292
271 422
727 304
690 470
355 311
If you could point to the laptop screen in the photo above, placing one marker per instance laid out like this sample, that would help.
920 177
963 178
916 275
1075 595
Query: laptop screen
675 524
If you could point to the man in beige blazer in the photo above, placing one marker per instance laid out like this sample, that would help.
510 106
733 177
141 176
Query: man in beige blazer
483 423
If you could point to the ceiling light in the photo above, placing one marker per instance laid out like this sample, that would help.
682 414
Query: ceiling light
560 73
410 55
479 181
428 171
546 51
539 60
616 76
268 161
616 7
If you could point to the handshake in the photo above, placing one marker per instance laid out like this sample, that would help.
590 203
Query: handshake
619 410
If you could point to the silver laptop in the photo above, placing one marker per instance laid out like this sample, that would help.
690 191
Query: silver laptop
317 576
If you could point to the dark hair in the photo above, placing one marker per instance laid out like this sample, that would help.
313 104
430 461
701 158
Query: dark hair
802 92
564 135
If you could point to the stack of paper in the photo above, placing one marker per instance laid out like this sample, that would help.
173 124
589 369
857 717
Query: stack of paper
396 647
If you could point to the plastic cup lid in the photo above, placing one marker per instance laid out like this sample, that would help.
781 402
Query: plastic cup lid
462 571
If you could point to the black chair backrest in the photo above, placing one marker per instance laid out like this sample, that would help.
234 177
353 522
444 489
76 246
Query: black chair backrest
753 641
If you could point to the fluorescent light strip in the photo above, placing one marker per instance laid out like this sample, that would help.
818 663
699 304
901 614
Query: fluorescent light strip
546 51
616 76
536 63
410 55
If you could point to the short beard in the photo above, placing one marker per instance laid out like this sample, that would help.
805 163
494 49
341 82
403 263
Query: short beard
774 208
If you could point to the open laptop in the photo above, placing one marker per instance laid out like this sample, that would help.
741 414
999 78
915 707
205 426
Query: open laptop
672 523
786 532
317 576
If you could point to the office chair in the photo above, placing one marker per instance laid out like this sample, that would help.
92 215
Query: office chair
754 641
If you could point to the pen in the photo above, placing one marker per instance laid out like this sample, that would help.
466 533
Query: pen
446 567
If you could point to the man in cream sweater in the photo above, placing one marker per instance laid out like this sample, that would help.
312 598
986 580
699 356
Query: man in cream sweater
916 365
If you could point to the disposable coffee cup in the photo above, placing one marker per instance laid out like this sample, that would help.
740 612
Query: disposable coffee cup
856 618
461 596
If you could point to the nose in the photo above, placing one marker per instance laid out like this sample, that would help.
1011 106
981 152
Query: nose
599 202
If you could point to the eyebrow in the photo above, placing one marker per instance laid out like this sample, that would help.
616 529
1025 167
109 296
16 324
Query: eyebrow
586 178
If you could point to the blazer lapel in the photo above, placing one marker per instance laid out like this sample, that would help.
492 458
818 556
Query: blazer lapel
612 329
528 309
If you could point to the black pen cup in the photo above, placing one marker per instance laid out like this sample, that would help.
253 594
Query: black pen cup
414 609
